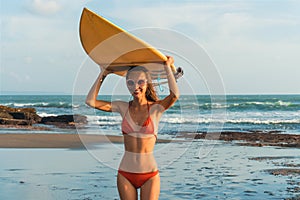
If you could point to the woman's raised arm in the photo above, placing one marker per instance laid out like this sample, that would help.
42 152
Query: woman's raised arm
91 98
168 101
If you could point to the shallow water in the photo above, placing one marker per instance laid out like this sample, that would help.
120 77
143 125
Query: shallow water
225 173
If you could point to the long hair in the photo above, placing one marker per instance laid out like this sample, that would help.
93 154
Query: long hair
150 91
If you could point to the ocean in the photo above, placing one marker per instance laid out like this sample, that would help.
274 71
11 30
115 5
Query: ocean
190 114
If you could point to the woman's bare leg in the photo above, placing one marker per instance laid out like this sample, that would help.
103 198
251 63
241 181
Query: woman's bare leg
151 189
126 190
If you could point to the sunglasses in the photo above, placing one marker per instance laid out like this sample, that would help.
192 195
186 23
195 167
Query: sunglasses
140 82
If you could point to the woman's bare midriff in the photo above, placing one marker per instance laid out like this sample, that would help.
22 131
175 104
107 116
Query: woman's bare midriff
138 156
139 143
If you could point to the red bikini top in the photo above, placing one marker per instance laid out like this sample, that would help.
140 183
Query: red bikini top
146 128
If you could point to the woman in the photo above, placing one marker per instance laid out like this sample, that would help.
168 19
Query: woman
138 168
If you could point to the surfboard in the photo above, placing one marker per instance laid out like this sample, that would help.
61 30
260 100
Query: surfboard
117 50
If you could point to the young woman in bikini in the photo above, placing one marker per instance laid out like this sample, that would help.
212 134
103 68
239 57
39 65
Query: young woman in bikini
138 168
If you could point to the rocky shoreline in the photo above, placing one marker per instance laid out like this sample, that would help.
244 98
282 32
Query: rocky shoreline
255 138
26 117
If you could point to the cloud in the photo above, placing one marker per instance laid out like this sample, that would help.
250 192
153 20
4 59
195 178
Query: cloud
42 35
53 7
45 7
28 59
20 78
230 19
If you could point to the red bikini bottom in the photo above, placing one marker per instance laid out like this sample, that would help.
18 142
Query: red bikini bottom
137 179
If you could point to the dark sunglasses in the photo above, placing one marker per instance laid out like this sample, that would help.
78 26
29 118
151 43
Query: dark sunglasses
140 82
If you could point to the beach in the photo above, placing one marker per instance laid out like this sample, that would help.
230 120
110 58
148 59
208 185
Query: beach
66 166
253 155
229 171
73 141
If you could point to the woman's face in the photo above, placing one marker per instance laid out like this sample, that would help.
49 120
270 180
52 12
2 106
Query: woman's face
137 84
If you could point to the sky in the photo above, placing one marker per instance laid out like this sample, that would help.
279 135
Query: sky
254 45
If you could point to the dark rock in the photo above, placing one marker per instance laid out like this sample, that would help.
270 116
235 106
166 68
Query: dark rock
5 115
18 116
284 171
63 120
27 116
9 109
16 122
258 138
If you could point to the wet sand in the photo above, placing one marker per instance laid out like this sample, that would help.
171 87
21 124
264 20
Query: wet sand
258 167
37 140
227 172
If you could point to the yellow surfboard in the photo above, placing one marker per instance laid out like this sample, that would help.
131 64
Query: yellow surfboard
116 50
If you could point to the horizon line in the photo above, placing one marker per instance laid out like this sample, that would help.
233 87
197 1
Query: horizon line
63 93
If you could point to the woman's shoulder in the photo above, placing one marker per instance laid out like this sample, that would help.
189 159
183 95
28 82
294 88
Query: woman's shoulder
119 106
156 105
